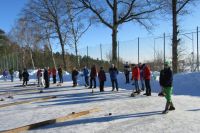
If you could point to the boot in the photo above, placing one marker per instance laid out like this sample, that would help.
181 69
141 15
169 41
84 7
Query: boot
166 108
171 106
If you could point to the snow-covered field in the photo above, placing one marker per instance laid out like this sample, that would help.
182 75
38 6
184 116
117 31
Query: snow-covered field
128 114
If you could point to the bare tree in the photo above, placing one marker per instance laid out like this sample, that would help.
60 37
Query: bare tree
176 8
113 13
49 12
78 24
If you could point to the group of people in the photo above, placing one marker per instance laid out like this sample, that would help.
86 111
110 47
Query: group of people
140 73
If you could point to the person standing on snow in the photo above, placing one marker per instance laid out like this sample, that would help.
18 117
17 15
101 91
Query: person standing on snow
136 78
141 67
20 75
54 74
74 76
46 78
25 75
113 76
102 79
147 77
93 75
127 72
60 74
11 71
166 81
86 76
5 74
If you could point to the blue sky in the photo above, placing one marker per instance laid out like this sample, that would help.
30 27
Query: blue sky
128 33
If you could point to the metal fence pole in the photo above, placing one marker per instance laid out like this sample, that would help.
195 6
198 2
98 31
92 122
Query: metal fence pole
138 50
197 49
87 57
164 46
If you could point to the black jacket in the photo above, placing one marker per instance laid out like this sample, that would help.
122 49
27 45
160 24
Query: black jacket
74 74
25 76
46 75
166 77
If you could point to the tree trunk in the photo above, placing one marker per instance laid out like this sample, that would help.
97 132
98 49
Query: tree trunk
62 47
54 63
175 38
76 52
114 33
23 58
33 64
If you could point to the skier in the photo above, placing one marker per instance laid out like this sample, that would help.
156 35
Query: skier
102 79
93 75
11 71
127 72
60 74
54 74
25 75
74 76
136 77
166 81
141 67
147 77
86 75
113 76
20 75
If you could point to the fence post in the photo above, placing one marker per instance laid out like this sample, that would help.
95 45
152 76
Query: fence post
87 57
101 51
138 50
197 49
164 47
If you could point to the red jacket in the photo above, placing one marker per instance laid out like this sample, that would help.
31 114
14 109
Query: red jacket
49 71
53 71
147 73
93 72
136 73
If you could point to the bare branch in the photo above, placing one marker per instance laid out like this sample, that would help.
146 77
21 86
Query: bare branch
182 6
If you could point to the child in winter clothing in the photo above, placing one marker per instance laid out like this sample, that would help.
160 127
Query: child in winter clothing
136 77
102 79
11 71
60 74
25 76
74 76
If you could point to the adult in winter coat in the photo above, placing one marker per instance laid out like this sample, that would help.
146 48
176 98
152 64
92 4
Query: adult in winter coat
93 75
39 74
11 71
166 81
25 75
49 73
127 72
113 76
46 78
147 77
20 75
54 74
86 76
5 74
60 74
74 76
136 77
102 79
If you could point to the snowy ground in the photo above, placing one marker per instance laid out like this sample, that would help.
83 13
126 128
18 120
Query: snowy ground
129 114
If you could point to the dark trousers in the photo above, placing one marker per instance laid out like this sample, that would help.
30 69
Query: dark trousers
46 83
101 85
92 79
25 82
54 79
61 78
148 87
137 85
114 84
74 81
86 80
127 78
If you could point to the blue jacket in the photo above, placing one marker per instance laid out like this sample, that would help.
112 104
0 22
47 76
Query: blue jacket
85 72
113 73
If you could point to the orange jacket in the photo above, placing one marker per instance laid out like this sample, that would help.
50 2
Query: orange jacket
147 73
136 73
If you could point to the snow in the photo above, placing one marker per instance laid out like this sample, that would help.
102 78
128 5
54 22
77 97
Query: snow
129 114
